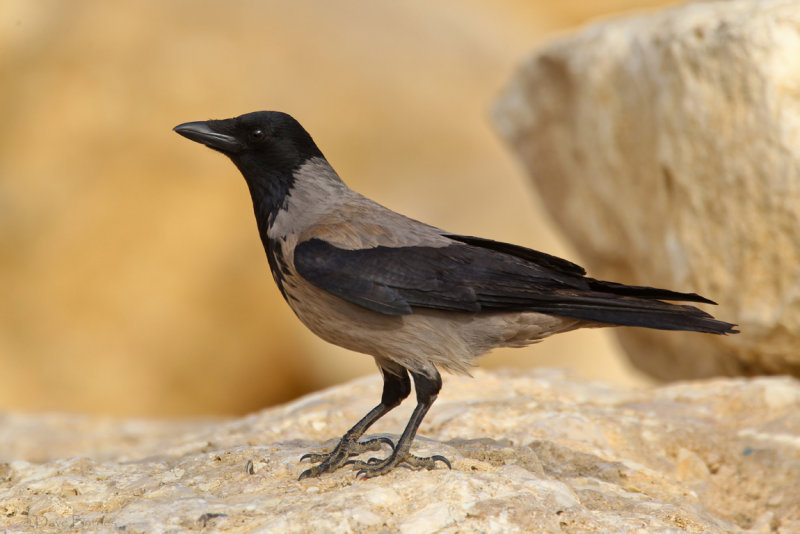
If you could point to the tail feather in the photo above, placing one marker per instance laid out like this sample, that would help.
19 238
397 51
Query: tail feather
622 305
644 292
679 318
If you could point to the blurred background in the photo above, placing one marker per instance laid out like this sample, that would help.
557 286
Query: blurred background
132 279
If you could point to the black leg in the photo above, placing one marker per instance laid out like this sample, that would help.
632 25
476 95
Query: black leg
396 387
427 389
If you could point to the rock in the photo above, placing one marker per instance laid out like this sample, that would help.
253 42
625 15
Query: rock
531 452
667 146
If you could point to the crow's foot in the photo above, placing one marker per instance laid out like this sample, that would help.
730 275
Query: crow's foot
330 462
375 467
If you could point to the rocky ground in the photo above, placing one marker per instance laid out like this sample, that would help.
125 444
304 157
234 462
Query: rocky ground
538 451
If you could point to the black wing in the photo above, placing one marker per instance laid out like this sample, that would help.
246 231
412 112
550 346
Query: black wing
478 275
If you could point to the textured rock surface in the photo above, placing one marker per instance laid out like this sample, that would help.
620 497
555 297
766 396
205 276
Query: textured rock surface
531 452
668 148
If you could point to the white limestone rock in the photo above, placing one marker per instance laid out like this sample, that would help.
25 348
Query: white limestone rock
535 451
667 146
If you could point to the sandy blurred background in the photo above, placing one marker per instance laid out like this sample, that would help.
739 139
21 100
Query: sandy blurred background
132 279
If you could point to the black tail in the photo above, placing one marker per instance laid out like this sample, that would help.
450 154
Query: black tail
622 305
644 292
547 284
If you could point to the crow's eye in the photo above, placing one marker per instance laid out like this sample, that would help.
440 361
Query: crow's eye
257 135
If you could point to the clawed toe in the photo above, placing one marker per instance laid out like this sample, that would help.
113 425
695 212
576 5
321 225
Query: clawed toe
375 467
374 444
429 462
314 457
338 457
357 447
357 464
440 458
343 452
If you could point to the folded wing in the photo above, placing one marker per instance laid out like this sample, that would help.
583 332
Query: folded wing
482 276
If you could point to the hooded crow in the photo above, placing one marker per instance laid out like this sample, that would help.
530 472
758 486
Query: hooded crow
414 297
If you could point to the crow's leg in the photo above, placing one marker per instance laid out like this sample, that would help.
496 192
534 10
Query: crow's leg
427 389
396 387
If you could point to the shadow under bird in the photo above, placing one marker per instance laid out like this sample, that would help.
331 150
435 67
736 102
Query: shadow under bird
414 297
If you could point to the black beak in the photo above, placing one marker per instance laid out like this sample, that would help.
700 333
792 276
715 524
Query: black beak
201 132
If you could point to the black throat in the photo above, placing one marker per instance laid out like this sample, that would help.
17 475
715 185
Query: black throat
270 191
270 194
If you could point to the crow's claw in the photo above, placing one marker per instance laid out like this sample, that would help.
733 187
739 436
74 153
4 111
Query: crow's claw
338 457
375 467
